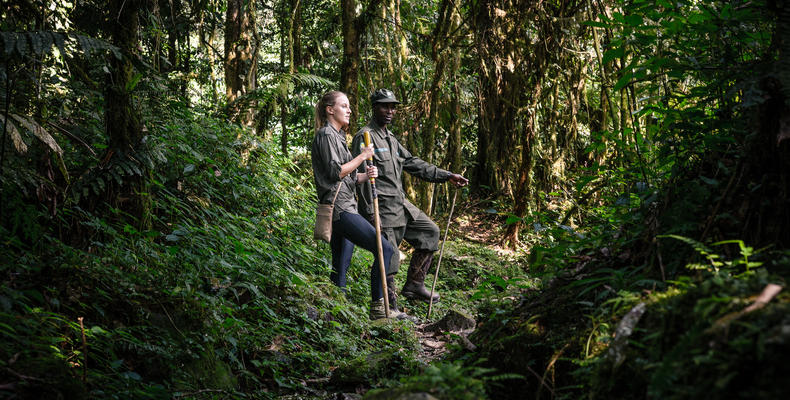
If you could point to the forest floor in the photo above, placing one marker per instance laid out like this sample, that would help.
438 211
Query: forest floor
471 227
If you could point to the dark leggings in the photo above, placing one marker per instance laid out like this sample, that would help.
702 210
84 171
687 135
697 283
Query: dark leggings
349 230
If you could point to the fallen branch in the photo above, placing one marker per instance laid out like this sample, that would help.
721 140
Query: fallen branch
769 292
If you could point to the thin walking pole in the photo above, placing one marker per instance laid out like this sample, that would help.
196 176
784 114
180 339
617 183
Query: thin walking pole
441 253
377 222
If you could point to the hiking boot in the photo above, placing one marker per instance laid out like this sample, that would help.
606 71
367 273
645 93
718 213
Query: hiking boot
414 288
377 311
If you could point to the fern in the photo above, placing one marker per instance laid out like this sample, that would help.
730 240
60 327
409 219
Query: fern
40 43
280 86
701 248
705 251
118 168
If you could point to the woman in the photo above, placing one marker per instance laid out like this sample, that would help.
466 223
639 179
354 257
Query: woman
333 165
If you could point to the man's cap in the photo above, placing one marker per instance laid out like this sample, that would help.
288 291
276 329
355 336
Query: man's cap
383 96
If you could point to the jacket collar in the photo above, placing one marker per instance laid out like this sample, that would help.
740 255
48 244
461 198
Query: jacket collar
332 129
378 127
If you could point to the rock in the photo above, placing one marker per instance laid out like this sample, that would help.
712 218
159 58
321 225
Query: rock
454 321
466 343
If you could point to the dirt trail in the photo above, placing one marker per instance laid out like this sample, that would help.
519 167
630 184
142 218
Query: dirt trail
473 225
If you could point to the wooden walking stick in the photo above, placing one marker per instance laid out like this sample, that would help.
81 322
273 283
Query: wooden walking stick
377 223
441 252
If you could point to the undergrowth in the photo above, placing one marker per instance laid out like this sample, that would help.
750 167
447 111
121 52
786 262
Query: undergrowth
224 297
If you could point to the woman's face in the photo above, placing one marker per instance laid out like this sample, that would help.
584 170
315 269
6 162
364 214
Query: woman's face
340 113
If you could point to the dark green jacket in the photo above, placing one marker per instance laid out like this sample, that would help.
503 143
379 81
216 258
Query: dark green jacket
329 152
391 159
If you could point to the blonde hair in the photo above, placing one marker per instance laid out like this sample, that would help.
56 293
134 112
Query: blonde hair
327 100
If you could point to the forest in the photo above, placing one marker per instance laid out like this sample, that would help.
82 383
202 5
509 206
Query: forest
625 233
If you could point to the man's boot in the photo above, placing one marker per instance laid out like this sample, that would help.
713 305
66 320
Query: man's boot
414 288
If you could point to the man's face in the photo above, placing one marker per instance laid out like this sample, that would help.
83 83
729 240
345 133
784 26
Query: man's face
383 113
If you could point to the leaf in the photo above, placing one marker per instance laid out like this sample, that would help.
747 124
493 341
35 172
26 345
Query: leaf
132 375
16 138
596 24
133 82
40 133
623 81
634 20
709 181
98 330
611 54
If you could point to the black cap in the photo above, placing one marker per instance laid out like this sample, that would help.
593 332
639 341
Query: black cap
383 96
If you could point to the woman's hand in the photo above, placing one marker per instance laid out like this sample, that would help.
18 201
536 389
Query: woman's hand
372 171
367 151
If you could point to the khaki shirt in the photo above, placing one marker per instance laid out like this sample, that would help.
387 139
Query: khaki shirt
329 152
391 159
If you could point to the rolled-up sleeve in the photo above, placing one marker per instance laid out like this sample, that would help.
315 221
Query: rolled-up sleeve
329 153
330 156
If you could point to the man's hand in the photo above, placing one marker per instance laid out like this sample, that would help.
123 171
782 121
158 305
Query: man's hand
458 180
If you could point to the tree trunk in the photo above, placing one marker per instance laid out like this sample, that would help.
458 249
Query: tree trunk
174 34
524 182
353 28
124 128
428 135
240 58
206 43
498 96
452 158
289 49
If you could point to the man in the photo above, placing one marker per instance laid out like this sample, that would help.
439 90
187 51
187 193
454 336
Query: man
399 218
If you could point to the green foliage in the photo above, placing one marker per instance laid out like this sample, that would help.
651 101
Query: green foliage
696 340
443 380
715 259
221 294
224 295
40 44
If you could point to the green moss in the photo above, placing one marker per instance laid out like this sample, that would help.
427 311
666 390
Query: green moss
207 371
